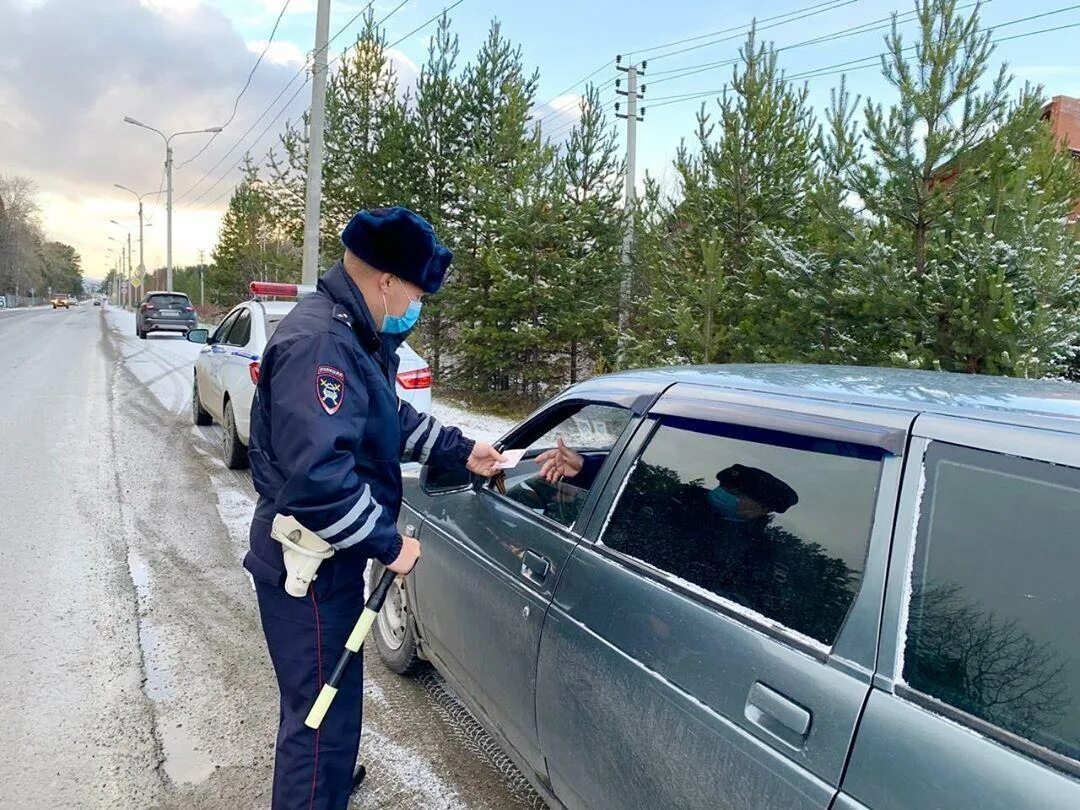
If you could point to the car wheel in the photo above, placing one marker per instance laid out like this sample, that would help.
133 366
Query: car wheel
236 454
199 414
395 631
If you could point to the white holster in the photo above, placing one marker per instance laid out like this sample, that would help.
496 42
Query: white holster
303 551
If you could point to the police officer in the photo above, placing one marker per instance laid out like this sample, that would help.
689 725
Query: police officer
327 435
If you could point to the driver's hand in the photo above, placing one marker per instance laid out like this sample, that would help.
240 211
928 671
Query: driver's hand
559 462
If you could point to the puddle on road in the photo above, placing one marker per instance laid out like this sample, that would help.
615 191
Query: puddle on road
140 575
156 672
183 762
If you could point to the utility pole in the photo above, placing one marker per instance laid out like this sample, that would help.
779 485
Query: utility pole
202 287
632 93
310 266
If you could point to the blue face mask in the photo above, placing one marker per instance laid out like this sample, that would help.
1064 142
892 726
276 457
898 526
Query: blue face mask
400 324
725 504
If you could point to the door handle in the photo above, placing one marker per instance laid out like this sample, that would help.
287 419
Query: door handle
535 567
778 715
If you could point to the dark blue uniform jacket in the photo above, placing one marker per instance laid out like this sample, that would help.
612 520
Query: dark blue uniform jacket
328 433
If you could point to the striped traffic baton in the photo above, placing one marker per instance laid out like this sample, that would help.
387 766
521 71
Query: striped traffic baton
352 647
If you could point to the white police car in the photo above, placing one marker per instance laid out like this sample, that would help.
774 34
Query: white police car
227 369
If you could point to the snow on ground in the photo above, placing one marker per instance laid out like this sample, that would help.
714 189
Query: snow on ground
478 426
164 363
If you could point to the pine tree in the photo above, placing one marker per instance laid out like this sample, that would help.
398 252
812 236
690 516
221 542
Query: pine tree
250 245
942 112
745 195
367 140
586 306
437 153
971 266
502 156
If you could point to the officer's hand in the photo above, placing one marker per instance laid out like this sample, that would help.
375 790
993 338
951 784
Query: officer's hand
560 462
483 459
407 557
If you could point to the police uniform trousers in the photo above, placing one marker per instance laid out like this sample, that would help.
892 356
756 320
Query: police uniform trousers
313 770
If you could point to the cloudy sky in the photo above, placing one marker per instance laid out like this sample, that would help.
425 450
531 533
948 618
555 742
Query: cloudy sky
70 70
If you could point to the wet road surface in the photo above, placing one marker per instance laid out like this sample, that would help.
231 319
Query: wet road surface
133 672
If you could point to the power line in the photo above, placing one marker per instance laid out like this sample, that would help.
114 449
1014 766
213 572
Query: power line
559 130
554 112
247 84
424 25
864 28
875 59
270 106
641 51
297 92
745 29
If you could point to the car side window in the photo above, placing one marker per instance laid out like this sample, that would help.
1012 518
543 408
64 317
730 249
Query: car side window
588 433
992 627
241 329
221 334
776 523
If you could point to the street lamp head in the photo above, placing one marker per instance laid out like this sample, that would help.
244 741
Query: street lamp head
213 129
129 120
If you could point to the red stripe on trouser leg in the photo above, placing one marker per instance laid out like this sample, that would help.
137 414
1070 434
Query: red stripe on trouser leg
318 686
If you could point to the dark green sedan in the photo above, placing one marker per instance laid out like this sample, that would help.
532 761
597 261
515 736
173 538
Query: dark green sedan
766 587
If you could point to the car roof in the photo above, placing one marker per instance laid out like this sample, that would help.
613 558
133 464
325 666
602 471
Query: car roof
277 307
1053 404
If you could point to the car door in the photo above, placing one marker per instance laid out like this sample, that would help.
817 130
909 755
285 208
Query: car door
207 367
712 639
215 352
491 560
232 370
977 696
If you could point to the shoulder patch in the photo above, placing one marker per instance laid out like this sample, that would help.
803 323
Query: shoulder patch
330 388
342 314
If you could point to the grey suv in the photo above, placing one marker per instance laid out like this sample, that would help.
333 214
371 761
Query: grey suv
165 312
767 587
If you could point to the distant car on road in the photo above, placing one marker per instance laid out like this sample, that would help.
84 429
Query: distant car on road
61 300
227 369
165 312
97 300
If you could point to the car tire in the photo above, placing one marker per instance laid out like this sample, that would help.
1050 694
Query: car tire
234 451
199 414
395 630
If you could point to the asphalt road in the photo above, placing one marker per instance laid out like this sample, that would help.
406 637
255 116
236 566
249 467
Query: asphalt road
133 673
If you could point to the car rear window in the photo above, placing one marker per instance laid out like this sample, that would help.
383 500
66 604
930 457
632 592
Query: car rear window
170 301
992 622
272 322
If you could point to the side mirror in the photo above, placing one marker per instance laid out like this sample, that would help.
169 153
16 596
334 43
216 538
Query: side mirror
441 480
198 335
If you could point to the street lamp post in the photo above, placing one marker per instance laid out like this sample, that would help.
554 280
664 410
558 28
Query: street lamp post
168 183
122 290
142 262
129 275
131 292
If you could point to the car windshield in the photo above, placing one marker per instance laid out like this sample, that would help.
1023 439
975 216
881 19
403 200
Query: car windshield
169 301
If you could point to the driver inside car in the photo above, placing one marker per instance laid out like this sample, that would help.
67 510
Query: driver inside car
560 488
563 463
